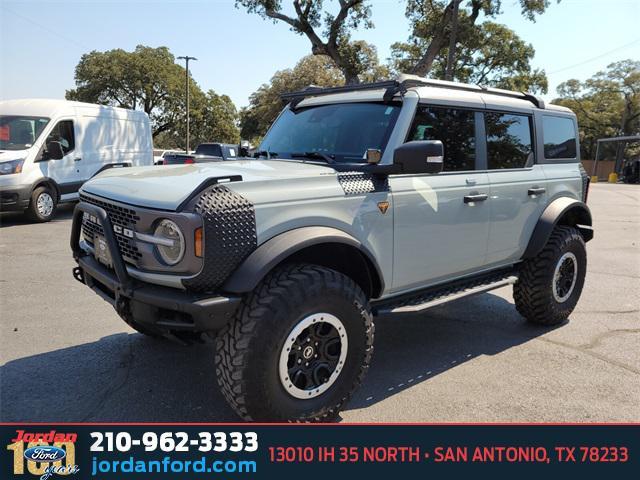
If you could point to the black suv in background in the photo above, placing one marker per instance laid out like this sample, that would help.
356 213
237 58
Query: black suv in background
205 152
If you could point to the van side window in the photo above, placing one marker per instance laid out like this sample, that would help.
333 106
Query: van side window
559 136
509 142
454 128
63 133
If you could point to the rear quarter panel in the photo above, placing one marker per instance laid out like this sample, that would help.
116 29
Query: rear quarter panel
563 180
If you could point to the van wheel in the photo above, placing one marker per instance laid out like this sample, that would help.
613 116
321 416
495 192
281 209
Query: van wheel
550 284
42 206
298 348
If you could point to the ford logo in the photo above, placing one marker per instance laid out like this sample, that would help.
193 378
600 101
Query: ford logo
44 454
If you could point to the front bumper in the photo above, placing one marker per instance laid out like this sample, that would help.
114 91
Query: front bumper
15 199
161 309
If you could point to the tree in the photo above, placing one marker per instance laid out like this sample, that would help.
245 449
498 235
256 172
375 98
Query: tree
309 17
214 118
436 21
488 54
149 79
607 104
265 103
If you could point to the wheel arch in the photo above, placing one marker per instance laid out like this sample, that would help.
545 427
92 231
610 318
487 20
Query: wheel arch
325 246
47 182
562 211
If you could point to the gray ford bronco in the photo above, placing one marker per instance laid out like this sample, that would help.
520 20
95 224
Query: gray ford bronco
384 198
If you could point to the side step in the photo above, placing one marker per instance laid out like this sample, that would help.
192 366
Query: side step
446 293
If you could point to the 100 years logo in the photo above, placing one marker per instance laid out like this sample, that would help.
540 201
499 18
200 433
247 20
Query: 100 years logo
44 453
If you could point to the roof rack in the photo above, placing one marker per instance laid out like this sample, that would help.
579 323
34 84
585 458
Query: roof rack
401 85
315 91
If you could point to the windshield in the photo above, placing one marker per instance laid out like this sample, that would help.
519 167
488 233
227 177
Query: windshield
342 132
19 133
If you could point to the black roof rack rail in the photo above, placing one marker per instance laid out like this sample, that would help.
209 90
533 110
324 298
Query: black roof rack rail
314 91
394 87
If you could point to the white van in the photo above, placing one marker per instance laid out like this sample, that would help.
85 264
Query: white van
49 148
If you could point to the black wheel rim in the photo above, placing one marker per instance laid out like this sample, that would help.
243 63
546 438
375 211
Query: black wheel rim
564 278
313 355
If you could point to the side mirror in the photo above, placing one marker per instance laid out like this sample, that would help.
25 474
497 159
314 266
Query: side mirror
422 156
54 151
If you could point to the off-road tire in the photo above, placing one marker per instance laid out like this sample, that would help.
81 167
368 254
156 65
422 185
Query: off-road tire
248 348
533 292
32 211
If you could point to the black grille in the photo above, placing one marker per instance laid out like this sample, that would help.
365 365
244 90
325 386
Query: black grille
119 216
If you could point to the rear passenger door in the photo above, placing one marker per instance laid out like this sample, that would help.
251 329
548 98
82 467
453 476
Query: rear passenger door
518 184
438 233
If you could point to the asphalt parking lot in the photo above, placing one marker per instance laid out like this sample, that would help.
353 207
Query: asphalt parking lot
66 355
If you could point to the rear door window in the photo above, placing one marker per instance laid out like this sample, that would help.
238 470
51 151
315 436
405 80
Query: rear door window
455 128
559 135
509 142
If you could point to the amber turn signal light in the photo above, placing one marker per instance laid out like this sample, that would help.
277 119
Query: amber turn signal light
198 242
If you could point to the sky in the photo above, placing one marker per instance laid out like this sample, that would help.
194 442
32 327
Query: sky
41 41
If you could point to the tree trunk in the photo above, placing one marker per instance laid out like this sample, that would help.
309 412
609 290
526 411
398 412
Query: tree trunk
624 130
437 43
451 57
350 77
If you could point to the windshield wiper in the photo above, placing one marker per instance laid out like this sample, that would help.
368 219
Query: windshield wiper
265 153
314 156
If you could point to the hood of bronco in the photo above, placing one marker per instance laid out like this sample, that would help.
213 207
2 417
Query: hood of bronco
165 187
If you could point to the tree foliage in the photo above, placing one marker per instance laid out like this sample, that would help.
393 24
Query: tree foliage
445 40
213 118
328 32
607 104
487 53
149 79
265 103
432 20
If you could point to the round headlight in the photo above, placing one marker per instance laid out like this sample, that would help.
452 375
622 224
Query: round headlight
173 252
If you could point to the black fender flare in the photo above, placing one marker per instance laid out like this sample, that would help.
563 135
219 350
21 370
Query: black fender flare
49 182
277 249
562 211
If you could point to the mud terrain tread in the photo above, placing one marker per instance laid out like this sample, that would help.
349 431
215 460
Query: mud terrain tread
532 293
232 343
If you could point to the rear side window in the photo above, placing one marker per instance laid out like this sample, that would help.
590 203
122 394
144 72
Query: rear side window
454 128
63 133
508 140
212 150
559 137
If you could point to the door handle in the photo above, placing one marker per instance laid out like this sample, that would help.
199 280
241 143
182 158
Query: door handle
536 191
77 159
479 197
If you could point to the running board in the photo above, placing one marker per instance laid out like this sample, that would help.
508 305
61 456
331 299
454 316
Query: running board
447 293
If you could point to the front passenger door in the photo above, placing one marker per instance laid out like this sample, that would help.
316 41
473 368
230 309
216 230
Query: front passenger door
441 221
66 172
